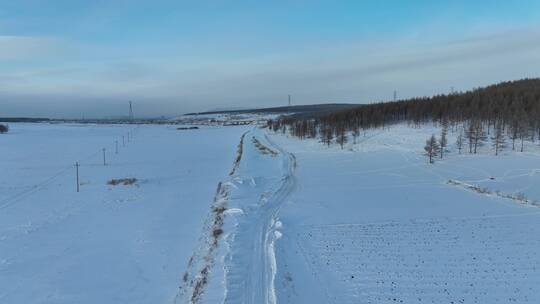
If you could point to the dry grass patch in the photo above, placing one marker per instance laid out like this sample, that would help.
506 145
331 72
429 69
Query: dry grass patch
122 181
518 197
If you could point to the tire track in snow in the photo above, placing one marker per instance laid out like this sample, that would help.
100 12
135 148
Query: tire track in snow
272 235
253 264
256 243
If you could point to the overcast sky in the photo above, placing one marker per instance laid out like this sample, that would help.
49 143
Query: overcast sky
71 58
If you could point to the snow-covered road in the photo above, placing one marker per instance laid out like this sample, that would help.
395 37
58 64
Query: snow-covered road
265 231
242 267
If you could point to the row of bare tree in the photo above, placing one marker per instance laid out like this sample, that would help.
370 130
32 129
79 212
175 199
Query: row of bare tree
475 134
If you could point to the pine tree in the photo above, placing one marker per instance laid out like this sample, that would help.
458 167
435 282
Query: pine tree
432 148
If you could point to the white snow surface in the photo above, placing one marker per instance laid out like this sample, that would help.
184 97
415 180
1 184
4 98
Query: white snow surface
375 223
290 222
121 244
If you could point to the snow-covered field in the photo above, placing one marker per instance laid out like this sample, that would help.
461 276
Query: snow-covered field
241 215
375 223
106 244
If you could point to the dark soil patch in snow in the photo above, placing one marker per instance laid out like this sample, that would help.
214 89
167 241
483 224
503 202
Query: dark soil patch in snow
216 233
122 181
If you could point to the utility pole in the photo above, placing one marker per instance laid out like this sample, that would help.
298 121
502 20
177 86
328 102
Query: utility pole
130 111
77 172
395 95
123 141
289 107
452 90
116 147
104 162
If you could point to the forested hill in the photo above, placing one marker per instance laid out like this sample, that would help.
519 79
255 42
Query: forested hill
513 106
299 110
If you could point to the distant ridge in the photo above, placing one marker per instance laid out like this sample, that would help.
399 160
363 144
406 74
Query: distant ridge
298 109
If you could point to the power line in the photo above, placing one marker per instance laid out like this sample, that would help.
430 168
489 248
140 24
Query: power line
17 197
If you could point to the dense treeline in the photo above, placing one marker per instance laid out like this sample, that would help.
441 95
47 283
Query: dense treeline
23 119
4 128
510 109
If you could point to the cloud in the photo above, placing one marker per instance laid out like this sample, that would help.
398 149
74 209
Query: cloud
343 73
402 60
24 48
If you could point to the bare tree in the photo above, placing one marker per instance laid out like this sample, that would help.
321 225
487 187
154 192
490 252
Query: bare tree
312 130
476 135
459 141
498 140
432 148
514 133
470 136
355 134
443 141
341 136
328 136
523 130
